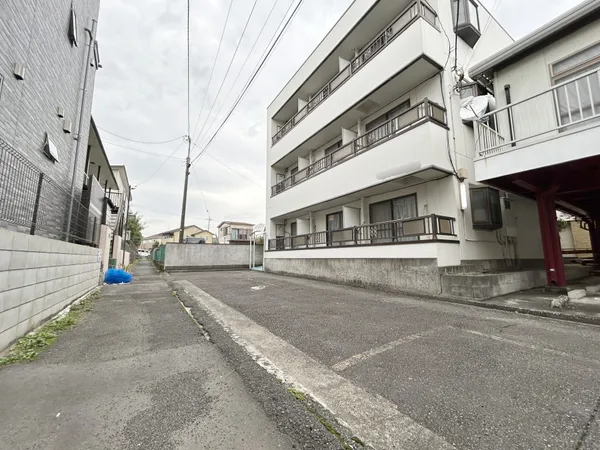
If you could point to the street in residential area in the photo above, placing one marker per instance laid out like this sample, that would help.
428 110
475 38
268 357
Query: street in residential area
477 378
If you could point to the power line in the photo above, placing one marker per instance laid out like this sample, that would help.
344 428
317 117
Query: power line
140 142
200 138
250 81
228 68
141 151
161 166
234 171
212 70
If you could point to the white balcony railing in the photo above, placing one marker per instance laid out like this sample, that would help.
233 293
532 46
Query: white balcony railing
425 111
389 33
564 107
426 228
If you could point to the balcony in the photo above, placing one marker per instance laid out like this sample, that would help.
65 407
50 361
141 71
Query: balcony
421 113
430 228
553 127
394 29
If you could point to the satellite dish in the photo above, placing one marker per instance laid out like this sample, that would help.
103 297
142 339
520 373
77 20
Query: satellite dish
471 108
258 228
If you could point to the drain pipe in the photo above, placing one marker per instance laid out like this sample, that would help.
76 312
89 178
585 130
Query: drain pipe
91 40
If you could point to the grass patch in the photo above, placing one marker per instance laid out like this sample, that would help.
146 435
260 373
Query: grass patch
299 395
358 441
328 426
30 346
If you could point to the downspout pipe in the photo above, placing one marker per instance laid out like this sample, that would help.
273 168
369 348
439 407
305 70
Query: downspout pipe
91 39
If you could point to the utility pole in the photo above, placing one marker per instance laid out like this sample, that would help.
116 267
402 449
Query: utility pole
185 189
126 224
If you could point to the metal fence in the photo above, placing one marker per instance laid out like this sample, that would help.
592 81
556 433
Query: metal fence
31 201
158 254
426 228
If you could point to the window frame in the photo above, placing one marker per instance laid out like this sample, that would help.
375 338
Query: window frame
1 85
397 233
560 77
567 77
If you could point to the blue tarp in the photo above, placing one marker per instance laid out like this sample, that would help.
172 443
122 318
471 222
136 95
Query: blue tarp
117 276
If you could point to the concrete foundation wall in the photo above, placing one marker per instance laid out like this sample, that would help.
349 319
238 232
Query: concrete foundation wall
404 275
206 257
38 278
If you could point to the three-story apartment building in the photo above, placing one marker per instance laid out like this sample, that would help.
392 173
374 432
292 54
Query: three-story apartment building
541 141
370 165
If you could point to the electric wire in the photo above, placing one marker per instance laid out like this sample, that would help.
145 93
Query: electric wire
237 47
161 166
250 81
200 137
140 142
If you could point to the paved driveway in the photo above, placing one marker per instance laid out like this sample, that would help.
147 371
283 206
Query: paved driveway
480 378
136 373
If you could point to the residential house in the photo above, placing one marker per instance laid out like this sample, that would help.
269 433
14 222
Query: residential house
541 140
50 221
231 232
190 231
370 158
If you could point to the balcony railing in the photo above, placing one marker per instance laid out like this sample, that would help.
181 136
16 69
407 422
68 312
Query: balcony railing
564 107
394 29
418 114
427 229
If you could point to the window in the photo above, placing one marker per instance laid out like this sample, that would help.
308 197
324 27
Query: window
579 99
465 16
294 228
73 30
389 210
394 112
334 221
486 211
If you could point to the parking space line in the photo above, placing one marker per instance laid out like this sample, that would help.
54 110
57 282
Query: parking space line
371 417
531 346
360 357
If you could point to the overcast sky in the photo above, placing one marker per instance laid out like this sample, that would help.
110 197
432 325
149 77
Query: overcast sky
141 94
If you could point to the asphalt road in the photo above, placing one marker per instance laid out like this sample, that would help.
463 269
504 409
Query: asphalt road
136 373
479 378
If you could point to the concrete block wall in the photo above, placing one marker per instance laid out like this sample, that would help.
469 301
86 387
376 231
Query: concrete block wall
38 278
205 257
416 275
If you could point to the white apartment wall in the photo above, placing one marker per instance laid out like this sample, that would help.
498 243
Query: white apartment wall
347 21
418 39
528 77
531 75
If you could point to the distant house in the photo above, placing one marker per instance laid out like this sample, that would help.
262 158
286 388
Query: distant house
231 232
190 231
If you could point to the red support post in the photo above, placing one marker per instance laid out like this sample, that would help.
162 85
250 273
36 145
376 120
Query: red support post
553 260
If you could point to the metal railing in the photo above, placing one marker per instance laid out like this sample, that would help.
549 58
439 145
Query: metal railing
426 228
389 33
32 202
418 114
564 107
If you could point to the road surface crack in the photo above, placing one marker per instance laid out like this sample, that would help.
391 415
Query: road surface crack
588 426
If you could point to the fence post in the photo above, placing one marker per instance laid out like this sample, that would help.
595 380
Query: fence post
434 229
36 206
426 107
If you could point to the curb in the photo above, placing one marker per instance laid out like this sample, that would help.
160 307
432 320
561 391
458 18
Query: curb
575 317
